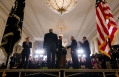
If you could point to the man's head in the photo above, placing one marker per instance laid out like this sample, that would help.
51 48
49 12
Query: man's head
14 54
84 38
50 30
60 37
28 38
72 38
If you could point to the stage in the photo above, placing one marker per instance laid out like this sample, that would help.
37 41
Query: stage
61 72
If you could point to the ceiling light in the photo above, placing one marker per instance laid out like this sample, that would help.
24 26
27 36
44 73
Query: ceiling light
41 55
79 55
61 6
80 51
84 55
36 56
39 51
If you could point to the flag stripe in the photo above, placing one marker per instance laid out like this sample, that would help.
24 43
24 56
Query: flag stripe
106 26
100 24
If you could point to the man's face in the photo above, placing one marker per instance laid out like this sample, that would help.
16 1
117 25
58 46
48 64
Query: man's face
27 39
72 38
84 39
60 38
51 30
14 54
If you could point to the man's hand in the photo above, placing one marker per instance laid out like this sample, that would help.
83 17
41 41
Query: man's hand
80 42
65 47
27 43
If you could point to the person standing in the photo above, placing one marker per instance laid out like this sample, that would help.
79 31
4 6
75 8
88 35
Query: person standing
13 60
86 47
2 66
50 45
26 52
59 54
74 55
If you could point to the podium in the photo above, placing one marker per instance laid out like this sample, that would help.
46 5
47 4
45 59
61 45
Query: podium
63 62
63 59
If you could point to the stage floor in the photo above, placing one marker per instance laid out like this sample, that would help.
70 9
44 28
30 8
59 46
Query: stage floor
60 72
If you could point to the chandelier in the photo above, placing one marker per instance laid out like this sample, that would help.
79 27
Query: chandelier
61 27
64 40
61 6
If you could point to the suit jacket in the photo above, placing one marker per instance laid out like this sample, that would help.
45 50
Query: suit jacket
73 45
50 41
61 49
86 47
13 59
26 49
60 45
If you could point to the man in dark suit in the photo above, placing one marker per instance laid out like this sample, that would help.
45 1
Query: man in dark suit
74 55
58 53
26 52
86 47
13 60
50 45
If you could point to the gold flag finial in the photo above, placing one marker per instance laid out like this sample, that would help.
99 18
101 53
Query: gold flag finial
4 73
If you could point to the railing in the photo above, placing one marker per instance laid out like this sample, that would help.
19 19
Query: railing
62 71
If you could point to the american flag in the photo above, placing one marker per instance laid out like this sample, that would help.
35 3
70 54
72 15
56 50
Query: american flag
106 26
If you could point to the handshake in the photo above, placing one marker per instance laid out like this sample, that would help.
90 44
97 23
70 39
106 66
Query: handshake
64 48
80 42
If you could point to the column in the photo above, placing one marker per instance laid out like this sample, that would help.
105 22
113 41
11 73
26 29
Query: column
116 39
96 46
2 26
92 47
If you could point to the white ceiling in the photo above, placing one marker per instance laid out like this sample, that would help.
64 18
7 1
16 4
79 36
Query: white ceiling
39 18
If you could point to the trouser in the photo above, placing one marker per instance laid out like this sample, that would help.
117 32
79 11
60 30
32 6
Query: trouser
58 55
12 65
25 62
88 61
75 60
51 60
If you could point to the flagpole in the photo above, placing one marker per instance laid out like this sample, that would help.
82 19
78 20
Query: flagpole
7 61
13 29
8 55
11 41
111 53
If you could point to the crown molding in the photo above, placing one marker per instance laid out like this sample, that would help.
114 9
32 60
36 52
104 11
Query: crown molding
7 13
116 13
93 36
91 22
26 32
84 19
116 16
36 17
3 12
28 19
4 9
